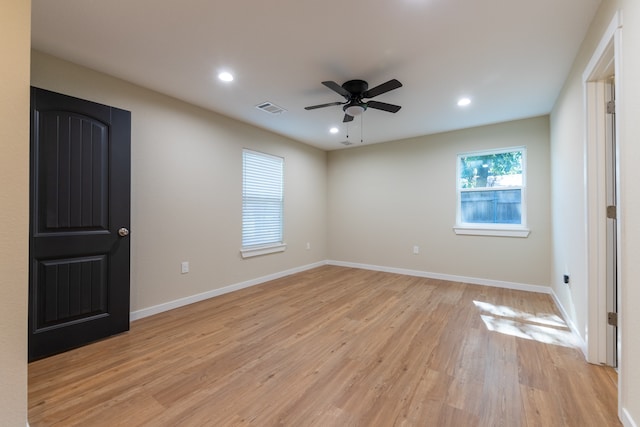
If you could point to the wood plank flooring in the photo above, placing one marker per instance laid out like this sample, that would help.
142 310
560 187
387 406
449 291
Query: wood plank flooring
334 346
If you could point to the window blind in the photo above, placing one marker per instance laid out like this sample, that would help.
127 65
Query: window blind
262 199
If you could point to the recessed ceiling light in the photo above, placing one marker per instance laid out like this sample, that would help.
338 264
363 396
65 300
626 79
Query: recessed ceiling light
334 130
225 76
463 102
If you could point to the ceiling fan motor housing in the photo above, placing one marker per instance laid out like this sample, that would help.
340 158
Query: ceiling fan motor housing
356 87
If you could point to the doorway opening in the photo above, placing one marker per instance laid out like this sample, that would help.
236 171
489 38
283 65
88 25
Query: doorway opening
602 199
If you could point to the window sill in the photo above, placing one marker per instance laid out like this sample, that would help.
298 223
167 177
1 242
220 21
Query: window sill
492 230
263 250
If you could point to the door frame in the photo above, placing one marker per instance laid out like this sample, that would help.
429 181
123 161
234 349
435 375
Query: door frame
611 184
605 62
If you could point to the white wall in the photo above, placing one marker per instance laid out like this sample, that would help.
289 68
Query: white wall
568 182
386 198
568 197
630 208
15 38
187 188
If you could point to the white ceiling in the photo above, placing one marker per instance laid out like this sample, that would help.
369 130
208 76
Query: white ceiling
509 56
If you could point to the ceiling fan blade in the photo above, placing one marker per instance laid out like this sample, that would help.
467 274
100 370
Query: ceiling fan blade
347 118
383 106
337 88
383 88
330 104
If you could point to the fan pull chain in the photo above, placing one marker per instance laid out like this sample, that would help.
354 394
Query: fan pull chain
361 127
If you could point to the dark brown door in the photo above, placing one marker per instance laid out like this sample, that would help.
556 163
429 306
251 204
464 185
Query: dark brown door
80 213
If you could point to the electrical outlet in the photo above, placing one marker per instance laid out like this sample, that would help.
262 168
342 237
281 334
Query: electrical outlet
308 245
416 250
184 266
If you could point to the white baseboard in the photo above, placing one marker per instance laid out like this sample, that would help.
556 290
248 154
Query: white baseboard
580 340
156 309
627 421
451 278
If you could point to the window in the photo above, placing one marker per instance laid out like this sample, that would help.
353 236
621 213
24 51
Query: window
262 203
492 193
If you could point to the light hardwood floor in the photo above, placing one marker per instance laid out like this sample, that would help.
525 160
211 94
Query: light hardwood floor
334 346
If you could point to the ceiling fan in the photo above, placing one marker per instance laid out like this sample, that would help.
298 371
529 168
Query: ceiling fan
354 91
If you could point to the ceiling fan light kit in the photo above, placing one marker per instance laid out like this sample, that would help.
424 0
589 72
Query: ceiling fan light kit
354 110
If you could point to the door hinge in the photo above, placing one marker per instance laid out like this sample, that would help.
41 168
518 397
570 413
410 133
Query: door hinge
611 107
612 212
612 319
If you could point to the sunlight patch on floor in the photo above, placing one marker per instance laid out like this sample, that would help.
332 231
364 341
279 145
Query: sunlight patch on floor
547 328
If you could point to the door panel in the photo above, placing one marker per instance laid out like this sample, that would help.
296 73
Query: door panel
80 197
75 177
70 289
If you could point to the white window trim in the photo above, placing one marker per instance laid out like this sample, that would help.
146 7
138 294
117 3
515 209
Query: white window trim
498 230
492 230
262 250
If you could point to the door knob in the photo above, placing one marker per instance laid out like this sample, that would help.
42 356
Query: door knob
123 232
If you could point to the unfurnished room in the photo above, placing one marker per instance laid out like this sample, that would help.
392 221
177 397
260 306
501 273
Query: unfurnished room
302 213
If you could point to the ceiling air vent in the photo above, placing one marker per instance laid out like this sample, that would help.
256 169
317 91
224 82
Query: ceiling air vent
270 107
346 143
